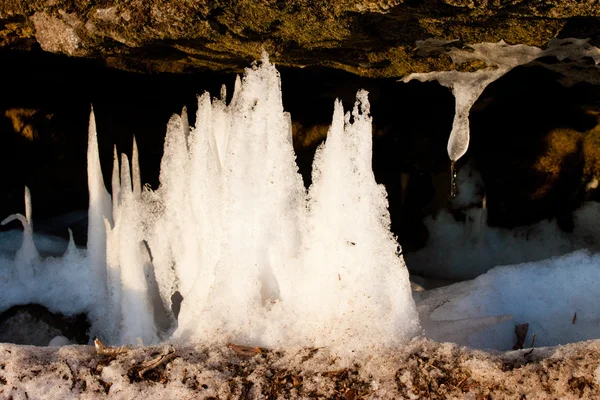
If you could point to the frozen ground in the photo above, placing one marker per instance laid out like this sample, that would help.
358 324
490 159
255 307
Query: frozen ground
421 369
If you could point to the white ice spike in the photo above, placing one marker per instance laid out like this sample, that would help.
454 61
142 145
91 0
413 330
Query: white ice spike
99 207
27 255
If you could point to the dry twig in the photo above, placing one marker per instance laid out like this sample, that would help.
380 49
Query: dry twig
102 350
154 363
245 350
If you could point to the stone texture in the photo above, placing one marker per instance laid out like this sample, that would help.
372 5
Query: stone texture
366 37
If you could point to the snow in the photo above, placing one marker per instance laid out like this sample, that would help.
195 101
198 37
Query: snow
554 296
59 341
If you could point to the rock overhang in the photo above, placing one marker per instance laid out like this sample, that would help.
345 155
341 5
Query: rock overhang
368 38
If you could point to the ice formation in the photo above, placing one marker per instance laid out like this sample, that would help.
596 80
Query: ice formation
261 261
500 58
257 258
27 255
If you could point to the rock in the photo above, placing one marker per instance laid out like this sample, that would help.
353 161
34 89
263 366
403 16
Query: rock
366 37
26 121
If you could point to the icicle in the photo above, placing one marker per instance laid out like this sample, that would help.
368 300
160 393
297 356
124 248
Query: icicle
468 86
116 185
135 171
99 206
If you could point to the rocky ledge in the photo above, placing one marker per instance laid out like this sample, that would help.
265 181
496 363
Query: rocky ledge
372 38
422 369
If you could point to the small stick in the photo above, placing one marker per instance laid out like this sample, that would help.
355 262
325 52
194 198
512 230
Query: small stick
528 353
108 351
461 382
162 359
244 350
574 318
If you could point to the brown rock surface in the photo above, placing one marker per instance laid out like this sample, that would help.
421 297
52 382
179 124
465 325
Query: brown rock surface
367 37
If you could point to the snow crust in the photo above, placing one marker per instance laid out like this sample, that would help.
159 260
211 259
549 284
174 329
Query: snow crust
557 297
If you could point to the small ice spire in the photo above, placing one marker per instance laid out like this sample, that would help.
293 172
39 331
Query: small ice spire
27 255
99 205
126 188
71 248
116 184
185 121
28 210
135 170
237 88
